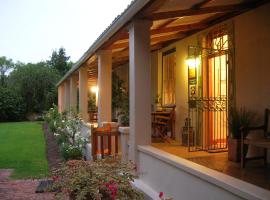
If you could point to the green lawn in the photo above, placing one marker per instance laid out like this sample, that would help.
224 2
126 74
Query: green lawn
22 148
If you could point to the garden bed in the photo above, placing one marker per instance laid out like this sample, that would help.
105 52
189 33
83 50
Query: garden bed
52 149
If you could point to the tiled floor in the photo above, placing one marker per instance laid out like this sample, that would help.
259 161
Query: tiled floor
255 172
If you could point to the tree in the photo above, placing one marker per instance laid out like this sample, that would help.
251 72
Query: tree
5 66
35 83
12 107
60 61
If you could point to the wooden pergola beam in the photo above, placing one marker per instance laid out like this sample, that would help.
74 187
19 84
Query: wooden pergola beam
205 10
201 4
153 39
179 28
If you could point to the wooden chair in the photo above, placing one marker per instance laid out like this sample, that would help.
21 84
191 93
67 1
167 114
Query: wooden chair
104 133
161 126
262 142
164 121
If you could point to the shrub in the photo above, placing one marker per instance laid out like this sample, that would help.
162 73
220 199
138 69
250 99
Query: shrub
12 107
67 129
70 152
53 118
103 179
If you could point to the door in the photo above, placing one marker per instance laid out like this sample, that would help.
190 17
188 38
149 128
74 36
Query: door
208 95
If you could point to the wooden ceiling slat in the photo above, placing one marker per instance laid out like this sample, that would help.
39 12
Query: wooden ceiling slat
204 10
186 27
201 4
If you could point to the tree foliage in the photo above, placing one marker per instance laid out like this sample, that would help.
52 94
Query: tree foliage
12 107
60 61
35 83
5 66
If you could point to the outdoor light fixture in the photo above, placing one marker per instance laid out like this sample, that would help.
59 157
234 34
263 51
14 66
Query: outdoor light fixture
94 89
192 63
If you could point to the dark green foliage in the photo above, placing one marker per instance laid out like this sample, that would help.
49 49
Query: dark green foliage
120 99
118 91
69 152
92 102
35 84
12 107
5 66
60 61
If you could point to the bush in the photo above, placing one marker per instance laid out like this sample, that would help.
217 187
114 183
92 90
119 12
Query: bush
67 129
103 179
70 152
53 118
12 107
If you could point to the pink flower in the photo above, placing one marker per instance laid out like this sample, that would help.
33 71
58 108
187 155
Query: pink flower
161 194
55 178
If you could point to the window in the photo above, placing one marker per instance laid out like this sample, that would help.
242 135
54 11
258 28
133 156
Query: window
168 77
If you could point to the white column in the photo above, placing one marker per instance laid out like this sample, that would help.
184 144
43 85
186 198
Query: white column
73 92
139 86
104 86
61 98
67 95
83 93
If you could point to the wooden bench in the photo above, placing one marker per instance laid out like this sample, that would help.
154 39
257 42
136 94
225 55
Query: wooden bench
261 142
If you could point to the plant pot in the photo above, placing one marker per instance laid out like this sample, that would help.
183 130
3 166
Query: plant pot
234 150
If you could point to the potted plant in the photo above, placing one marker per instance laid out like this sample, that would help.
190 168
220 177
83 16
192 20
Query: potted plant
239 118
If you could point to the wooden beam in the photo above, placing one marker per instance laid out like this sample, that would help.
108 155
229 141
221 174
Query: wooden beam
153 39
154 6
121 34
167 23
201 4
122 53
205 10
186 27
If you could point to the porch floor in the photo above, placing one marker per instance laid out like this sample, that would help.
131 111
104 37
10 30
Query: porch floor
255 172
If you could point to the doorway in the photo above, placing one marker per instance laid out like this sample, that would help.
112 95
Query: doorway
208 95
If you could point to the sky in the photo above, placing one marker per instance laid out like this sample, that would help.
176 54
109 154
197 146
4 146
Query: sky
31 29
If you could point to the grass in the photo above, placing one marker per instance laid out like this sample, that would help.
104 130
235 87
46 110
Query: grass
22 148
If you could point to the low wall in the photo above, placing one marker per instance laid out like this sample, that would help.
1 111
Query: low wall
183 179
86 133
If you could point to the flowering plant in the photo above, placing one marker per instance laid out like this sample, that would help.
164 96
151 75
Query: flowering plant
66 127
106 179
162 196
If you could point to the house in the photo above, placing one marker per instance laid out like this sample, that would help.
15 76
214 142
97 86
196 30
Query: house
201 55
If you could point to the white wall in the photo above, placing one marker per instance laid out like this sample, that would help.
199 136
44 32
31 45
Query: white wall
183 179
252 56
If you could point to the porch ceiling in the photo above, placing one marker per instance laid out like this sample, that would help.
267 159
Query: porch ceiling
172 20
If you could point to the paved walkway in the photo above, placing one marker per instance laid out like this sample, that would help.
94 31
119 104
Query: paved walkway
20 189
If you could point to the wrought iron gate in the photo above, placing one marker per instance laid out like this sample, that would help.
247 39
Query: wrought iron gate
208 97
